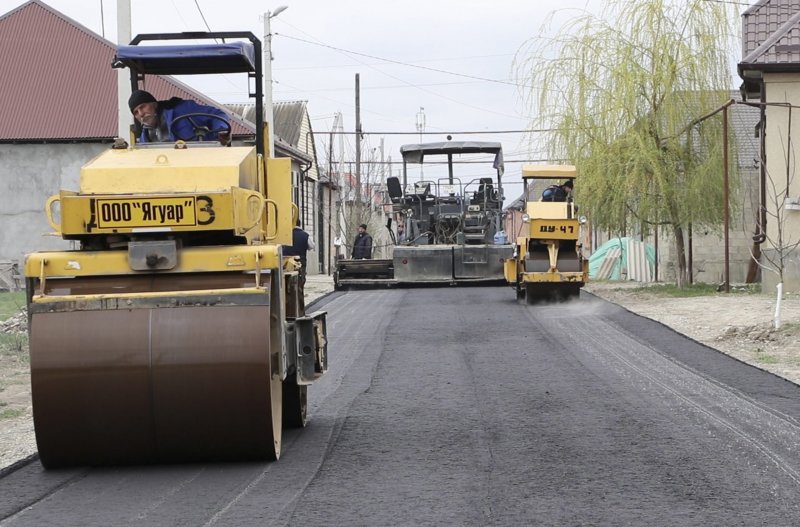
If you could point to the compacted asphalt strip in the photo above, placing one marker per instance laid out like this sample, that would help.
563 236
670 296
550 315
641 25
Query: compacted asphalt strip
461 406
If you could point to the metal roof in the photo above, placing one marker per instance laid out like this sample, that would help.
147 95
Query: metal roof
288 119
771 36
287 116
58 84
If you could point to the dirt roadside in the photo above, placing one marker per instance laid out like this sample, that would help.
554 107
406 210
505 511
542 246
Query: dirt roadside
739 325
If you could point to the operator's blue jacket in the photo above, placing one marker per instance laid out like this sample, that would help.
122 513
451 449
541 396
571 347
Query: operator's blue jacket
170 110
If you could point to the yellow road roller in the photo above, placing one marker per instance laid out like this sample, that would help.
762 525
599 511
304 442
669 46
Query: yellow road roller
548 262
173 332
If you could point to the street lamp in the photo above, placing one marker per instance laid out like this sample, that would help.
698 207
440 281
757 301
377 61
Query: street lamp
268 77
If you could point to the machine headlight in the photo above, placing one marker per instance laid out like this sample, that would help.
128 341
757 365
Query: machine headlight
582 220
526 218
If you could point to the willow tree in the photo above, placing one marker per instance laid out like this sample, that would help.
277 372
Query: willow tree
621 92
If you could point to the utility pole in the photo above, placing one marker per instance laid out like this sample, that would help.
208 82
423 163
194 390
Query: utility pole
339 128
421 122
124 118
358 138
268 113
341 215
383 167
421 130
337 180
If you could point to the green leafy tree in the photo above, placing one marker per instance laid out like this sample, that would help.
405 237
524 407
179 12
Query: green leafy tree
624 93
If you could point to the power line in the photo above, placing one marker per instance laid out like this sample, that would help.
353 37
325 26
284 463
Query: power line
474 132
473 162
746 4
732 2
202 15
335 66
345 52
474 77
393 87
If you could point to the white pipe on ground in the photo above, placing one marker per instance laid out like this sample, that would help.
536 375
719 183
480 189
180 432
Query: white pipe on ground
777 319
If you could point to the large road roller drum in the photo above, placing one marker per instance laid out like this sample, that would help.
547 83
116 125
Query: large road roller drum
154 384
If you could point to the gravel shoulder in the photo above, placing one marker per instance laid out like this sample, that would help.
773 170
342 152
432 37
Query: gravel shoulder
739 325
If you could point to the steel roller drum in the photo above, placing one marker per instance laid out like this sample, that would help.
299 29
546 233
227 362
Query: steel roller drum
159 384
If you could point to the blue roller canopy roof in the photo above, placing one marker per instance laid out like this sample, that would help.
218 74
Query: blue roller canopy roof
188 59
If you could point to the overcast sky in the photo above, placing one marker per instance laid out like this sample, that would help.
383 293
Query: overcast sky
319 46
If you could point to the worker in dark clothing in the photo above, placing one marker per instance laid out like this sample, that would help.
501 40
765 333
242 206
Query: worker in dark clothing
561 192
302 242
178 119
362 246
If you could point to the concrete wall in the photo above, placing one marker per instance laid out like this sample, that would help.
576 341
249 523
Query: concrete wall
30 173
708 248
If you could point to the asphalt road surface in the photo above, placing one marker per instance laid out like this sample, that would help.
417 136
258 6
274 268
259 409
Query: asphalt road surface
460 406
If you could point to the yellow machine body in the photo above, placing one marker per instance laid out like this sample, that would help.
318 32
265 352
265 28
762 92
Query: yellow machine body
156 168
548 260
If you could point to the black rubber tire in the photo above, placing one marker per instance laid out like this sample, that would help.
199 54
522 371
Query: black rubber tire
295 404
519 288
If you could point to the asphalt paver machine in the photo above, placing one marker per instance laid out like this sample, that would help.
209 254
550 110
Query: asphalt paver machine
452 226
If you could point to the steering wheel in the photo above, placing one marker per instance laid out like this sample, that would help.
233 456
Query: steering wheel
199 130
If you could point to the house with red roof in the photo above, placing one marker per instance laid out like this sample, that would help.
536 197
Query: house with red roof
58 109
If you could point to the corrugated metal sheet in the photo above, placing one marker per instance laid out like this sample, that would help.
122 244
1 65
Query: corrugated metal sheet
607 265
57 82
287 116
289 119
639 269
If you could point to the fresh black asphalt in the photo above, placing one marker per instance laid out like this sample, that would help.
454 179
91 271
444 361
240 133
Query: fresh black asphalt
460 406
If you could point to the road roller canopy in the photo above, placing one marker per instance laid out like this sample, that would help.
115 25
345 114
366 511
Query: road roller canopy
234 57
239 52
549 172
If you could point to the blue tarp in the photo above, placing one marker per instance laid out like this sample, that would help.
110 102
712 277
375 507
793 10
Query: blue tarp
188 59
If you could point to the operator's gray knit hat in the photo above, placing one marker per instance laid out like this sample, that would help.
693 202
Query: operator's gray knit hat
139 97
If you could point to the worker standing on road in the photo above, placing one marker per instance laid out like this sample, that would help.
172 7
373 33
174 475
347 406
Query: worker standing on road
401 233
362 246
302 242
